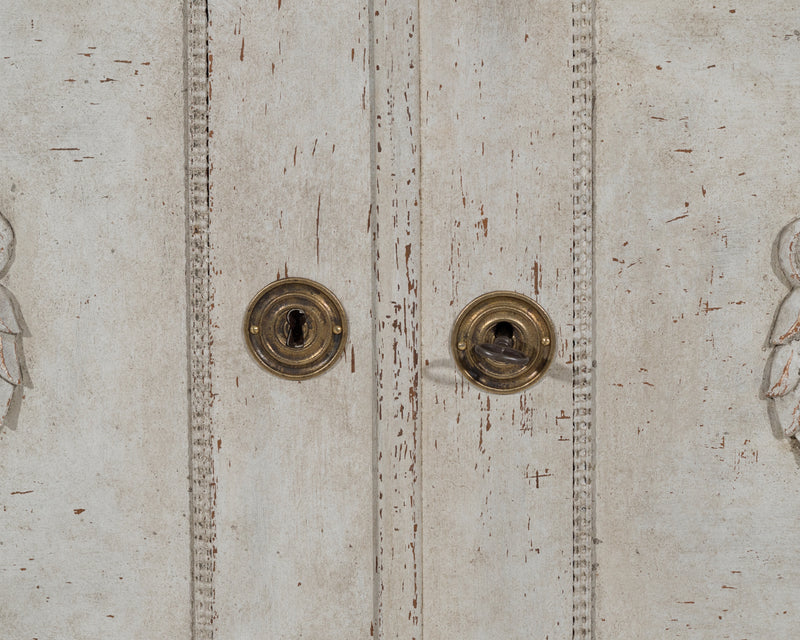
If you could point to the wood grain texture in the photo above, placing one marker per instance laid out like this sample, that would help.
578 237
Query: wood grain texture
697 493
290 196
93 469
396 220
497 214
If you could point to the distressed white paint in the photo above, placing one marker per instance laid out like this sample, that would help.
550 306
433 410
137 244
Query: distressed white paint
288 185
396 216
290 196
409 173
496 214
93 467
696 173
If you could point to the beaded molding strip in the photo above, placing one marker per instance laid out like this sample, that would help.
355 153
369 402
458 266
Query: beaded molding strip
582 357
198 282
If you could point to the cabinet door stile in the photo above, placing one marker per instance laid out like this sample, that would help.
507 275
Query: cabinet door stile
94 509
697 493
497 215
289 129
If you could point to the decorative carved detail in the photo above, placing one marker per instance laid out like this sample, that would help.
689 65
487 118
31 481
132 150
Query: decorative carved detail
203 484
783 373
10 360
583 17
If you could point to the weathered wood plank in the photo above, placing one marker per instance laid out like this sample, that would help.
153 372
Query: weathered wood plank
697 494
290 196
396 218
93 471
497 214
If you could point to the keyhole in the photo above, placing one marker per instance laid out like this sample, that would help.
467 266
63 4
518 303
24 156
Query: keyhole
504 334
297 323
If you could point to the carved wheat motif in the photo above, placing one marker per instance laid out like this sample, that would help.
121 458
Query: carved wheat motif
784 370
10 368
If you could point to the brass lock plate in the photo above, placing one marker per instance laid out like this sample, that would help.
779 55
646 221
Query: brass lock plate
295 328
503 342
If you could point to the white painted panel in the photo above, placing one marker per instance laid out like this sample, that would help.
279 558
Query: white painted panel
497 214
697 499
290 195
93 470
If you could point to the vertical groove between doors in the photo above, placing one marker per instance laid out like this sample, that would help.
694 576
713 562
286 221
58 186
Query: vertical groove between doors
395 217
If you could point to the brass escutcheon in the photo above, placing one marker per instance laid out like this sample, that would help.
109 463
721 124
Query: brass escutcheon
503 342
295 328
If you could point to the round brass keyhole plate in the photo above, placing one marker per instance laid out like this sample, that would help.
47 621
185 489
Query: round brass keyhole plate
489 319
295 328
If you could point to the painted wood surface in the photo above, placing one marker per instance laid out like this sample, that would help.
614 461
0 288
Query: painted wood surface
396 219
410 156
289 118
202 485
496 215
280 206
697 495
94 524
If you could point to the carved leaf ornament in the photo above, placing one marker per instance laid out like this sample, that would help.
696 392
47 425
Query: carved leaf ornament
784 370
10 369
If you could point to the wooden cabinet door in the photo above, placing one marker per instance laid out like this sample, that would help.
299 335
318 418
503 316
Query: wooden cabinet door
627 165
94 523
696 496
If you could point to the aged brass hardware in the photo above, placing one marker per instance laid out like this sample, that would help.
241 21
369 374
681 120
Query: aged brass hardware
503 342
295 328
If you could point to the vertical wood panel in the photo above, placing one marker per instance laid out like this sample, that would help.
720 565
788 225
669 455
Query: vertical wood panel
93 471
497 214
290 196
396 233
698 500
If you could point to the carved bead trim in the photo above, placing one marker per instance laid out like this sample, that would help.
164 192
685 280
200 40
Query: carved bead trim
202 464
582 367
